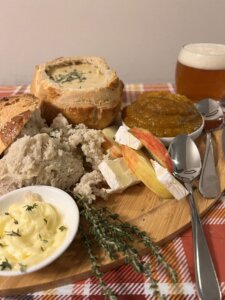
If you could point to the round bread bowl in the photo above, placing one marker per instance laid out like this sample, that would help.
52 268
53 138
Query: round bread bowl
82 100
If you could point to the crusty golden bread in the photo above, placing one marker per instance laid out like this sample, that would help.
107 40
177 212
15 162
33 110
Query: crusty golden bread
84 89
15 112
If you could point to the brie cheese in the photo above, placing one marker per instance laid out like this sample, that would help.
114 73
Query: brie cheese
124 137
169 181
117 175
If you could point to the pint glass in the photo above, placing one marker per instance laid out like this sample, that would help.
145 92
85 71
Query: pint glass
200 71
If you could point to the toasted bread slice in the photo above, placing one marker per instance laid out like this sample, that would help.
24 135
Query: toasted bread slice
15 112
84 89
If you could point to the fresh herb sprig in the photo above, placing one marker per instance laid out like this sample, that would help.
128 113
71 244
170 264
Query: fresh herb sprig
95 267
154 249
116 237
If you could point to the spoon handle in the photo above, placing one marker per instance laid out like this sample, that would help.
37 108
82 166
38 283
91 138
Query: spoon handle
205 275
209 185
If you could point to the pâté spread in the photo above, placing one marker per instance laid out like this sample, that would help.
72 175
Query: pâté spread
163 113
30 231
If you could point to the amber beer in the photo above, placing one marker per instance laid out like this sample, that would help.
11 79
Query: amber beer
200 71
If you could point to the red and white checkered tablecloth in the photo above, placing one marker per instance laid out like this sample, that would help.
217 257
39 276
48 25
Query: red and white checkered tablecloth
127 284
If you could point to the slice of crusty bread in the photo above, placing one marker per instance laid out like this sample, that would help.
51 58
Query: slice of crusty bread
84 89
15 112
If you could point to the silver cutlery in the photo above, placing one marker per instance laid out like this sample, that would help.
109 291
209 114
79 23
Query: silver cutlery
187 166
209 185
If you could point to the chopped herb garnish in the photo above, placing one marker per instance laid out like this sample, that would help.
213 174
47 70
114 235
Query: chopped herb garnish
62 228
46 221
42 249
23 267
5 265
13 233
31 207
15 221
44 241
74 75
2 245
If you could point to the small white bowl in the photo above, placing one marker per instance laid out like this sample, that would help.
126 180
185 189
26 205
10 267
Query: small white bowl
64 204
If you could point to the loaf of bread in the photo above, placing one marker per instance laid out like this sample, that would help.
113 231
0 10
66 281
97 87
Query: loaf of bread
84 89
15 112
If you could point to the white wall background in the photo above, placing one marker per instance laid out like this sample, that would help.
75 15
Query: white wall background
140 39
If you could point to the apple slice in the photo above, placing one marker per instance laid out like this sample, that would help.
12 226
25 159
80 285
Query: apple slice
142 168
110 144
154 146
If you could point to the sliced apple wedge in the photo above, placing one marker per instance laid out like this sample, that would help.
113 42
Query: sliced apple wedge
142 168
110 144
154 146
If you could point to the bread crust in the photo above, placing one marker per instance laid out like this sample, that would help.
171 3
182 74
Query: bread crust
95 106
15 112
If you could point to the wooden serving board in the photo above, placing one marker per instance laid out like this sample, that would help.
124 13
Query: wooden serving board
161 219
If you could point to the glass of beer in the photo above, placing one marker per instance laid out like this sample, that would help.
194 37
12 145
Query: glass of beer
200 71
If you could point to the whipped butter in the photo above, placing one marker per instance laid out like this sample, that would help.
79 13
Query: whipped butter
30 231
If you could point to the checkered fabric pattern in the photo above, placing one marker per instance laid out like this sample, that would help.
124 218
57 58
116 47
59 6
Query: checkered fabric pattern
127 284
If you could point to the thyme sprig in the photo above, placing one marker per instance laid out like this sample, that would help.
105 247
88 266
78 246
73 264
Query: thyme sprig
95 267
117 237
154 249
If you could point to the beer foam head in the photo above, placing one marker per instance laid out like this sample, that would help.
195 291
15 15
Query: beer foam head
203 56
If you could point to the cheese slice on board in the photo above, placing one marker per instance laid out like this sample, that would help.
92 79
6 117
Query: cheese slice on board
169 181
117 175
124 137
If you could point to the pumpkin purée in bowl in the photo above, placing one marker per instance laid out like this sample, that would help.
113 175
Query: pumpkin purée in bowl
164 114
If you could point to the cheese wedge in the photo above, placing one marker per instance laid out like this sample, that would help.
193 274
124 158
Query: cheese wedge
169 181
117 175
124 137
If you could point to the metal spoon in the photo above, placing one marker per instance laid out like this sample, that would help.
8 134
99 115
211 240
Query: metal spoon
187 166
209 185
